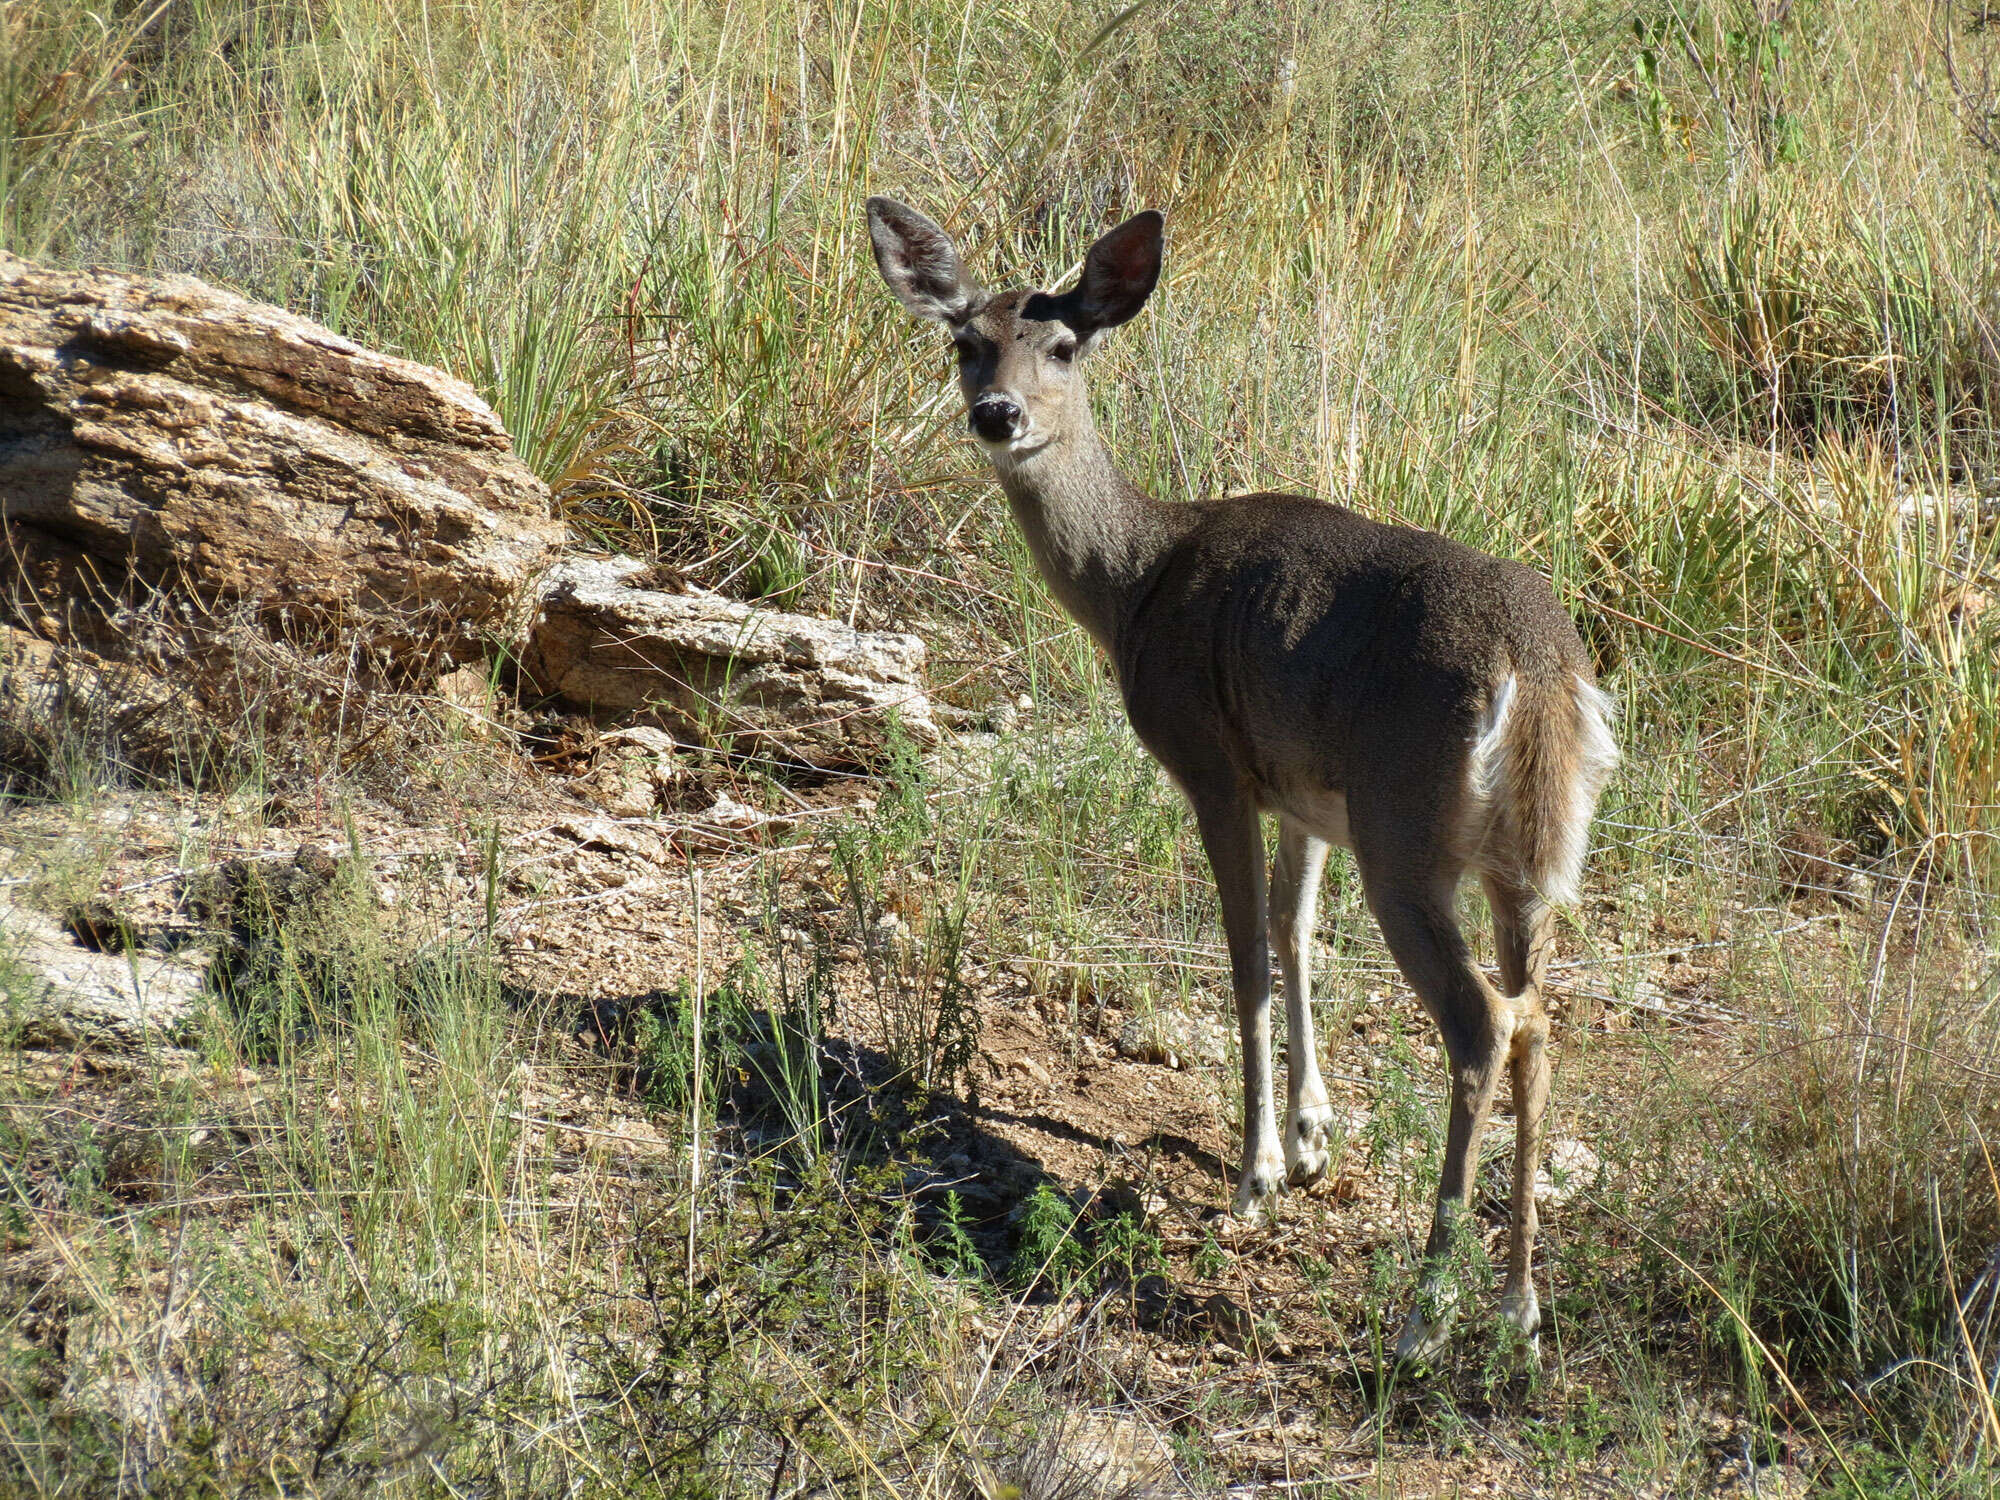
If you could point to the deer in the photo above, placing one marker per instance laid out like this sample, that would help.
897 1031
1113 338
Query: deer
1425 705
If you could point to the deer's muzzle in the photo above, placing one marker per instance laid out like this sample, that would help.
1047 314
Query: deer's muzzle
996 419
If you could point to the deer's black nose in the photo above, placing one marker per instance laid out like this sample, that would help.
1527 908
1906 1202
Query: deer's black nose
996 419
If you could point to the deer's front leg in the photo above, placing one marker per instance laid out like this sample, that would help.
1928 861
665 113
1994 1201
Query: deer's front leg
1230 834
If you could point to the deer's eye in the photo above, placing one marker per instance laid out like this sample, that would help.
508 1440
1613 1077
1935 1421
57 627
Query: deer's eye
966 345
1063 351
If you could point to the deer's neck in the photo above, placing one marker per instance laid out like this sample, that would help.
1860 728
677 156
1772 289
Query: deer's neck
1095 535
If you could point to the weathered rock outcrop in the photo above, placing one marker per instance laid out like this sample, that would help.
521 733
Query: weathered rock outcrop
715 671
230 451
202 497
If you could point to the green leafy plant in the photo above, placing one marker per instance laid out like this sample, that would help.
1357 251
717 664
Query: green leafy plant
950 1246
916 977
1050 1250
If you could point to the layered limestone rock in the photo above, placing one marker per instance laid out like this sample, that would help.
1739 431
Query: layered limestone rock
215 511
718 672
211 446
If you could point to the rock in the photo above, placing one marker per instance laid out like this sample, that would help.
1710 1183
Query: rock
251 896
621 786
50 693
607 837
1112 1453
1028 1067
718 672
889 940
469 692
727 812
1174 1039
1569 1167
235 452
635 771
656 744
613 786
55 992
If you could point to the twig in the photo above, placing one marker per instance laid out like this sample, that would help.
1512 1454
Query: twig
694 1111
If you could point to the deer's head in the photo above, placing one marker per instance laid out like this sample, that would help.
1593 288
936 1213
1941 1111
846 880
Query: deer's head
1019 352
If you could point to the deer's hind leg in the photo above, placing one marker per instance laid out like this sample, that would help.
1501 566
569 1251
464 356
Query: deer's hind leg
1416 907
1295 878
1523 931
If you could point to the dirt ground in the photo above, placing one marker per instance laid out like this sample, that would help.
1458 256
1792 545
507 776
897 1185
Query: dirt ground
1260 1344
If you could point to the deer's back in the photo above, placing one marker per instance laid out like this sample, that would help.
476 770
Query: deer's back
1307 648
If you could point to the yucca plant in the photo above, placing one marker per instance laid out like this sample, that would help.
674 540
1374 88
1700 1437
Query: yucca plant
1821 320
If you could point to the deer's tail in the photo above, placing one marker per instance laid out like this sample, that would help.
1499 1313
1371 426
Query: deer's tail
1542 755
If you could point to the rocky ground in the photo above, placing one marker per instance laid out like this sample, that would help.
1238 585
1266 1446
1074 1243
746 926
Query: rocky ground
1255 1347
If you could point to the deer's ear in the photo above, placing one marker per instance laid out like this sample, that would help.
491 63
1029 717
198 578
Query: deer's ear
919 262
1119 274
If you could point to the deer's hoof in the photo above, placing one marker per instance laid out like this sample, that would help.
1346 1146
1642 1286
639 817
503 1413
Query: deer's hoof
1422 1339
1257 1190
1253 1206
1305 1168
1522 1312
1306 1155
1427 1330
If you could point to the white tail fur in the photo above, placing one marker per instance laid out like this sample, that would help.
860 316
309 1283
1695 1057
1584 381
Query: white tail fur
1486 771
1596 759
1504 786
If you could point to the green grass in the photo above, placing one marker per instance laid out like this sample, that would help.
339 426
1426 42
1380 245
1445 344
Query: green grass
1694 312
